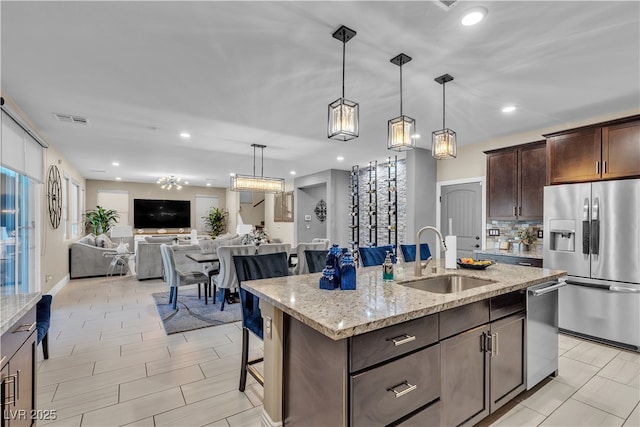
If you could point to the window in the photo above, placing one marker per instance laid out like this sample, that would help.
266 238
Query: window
74 208
66 229
117 201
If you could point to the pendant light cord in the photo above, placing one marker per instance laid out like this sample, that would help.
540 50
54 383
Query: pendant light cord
344 49
401 89
443 127
262 163
254 161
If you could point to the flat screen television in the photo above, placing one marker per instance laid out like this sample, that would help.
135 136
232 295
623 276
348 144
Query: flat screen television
149 213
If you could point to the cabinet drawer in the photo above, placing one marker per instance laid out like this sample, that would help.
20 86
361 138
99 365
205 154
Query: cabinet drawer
504 305
18 334
460 319
428 417
514 260
393 341
387 393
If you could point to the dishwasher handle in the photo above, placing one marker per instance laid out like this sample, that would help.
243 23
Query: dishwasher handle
552 288
624 289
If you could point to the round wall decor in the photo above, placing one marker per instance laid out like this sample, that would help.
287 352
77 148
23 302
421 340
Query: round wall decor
54 196
321 210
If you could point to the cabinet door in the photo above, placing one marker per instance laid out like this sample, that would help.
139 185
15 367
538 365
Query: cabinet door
465 378
5 391
532 177
621 150
508 375
574 157
502 184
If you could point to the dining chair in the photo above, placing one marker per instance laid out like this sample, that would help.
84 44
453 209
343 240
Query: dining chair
327 242
253 267
226 278
409 252
43 321
375 255
301 267
270 248
316 259
177 277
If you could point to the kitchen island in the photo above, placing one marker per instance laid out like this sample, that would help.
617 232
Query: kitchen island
322 355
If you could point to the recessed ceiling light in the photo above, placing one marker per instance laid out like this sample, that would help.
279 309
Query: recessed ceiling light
208 184
118 178
474 15
509 109
232 174
416 136
186 182
292 172
339 158
185 135
115 163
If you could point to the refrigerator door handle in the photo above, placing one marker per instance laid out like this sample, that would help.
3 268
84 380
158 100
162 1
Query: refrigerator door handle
595 226
585 227
624 289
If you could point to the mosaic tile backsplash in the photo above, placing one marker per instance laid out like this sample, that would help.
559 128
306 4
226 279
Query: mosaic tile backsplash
508 233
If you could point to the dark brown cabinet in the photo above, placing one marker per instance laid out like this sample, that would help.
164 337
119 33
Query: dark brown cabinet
18 381
515 180
605 151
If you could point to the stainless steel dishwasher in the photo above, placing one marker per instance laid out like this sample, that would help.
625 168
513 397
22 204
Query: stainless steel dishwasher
542 331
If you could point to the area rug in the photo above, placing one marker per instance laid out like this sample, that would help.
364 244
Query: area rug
191 312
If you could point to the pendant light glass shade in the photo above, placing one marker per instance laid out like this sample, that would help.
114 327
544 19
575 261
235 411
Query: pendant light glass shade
443 141
343 114
402 129
260 183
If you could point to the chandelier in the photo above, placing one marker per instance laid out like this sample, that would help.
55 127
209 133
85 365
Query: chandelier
260 183
343 114
170 182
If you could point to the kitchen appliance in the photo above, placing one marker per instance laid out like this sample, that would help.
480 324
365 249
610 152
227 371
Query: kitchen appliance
542 331
592 231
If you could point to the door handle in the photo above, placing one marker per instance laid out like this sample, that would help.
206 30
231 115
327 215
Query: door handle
624 289
604 167
597 168
538 292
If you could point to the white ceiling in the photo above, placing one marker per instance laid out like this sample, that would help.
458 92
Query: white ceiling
237 73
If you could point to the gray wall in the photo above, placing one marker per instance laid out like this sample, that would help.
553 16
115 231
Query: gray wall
336 187
308 197
421 195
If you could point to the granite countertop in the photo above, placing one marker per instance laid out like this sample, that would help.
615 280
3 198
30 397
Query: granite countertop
375 304
505 252
13 307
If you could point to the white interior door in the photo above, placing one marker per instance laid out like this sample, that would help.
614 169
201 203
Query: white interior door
461 216
203 205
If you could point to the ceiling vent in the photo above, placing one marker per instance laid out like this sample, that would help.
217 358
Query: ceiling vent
68 118
446 4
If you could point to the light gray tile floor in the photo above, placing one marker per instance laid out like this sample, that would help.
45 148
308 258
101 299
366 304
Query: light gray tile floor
111 364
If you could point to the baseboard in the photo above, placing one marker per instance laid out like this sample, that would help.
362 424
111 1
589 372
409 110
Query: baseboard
268 422
58 287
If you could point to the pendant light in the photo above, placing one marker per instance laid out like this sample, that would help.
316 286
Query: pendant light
170 182
260 183
402 129
343 114
443 142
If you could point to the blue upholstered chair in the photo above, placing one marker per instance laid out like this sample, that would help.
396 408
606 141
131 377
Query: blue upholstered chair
252 267
316 259
375 255
43 321
409 252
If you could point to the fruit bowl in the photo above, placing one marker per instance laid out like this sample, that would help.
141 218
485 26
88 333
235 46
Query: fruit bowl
473 264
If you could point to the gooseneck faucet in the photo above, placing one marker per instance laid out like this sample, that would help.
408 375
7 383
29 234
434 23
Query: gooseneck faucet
418 266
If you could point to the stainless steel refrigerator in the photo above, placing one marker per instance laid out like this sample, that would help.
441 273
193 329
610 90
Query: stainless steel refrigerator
592 231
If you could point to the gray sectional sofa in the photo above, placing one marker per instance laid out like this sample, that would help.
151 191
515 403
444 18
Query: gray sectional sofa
86 256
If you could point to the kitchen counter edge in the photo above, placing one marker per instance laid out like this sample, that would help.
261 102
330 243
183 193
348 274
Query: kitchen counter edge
13 307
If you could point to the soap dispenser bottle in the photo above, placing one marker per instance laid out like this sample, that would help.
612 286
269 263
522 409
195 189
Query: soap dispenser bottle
387 268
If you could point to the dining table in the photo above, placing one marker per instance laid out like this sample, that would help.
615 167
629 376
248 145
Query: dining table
203 257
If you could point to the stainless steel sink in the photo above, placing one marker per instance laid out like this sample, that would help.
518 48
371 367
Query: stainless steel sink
447 284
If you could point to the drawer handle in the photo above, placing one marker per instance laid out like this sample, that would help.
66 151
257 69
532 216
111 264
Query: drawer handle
402 339
25 328
528 264
409 389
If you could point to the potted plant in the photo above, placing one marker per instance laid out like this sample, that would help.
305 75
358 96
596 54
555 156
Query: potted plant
216 221
100 220
526 237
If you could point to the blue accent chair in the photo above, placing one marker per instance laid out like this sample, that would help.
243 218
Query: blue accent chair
316 259
375 255
409 252
252 267
43 321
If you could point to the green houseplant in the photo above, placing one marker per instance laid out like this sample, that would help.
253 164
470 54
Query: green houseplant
216 221
100 220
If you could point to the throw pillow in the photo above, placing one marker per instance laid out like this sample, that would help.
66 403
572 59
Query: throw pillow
103 241
91 239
